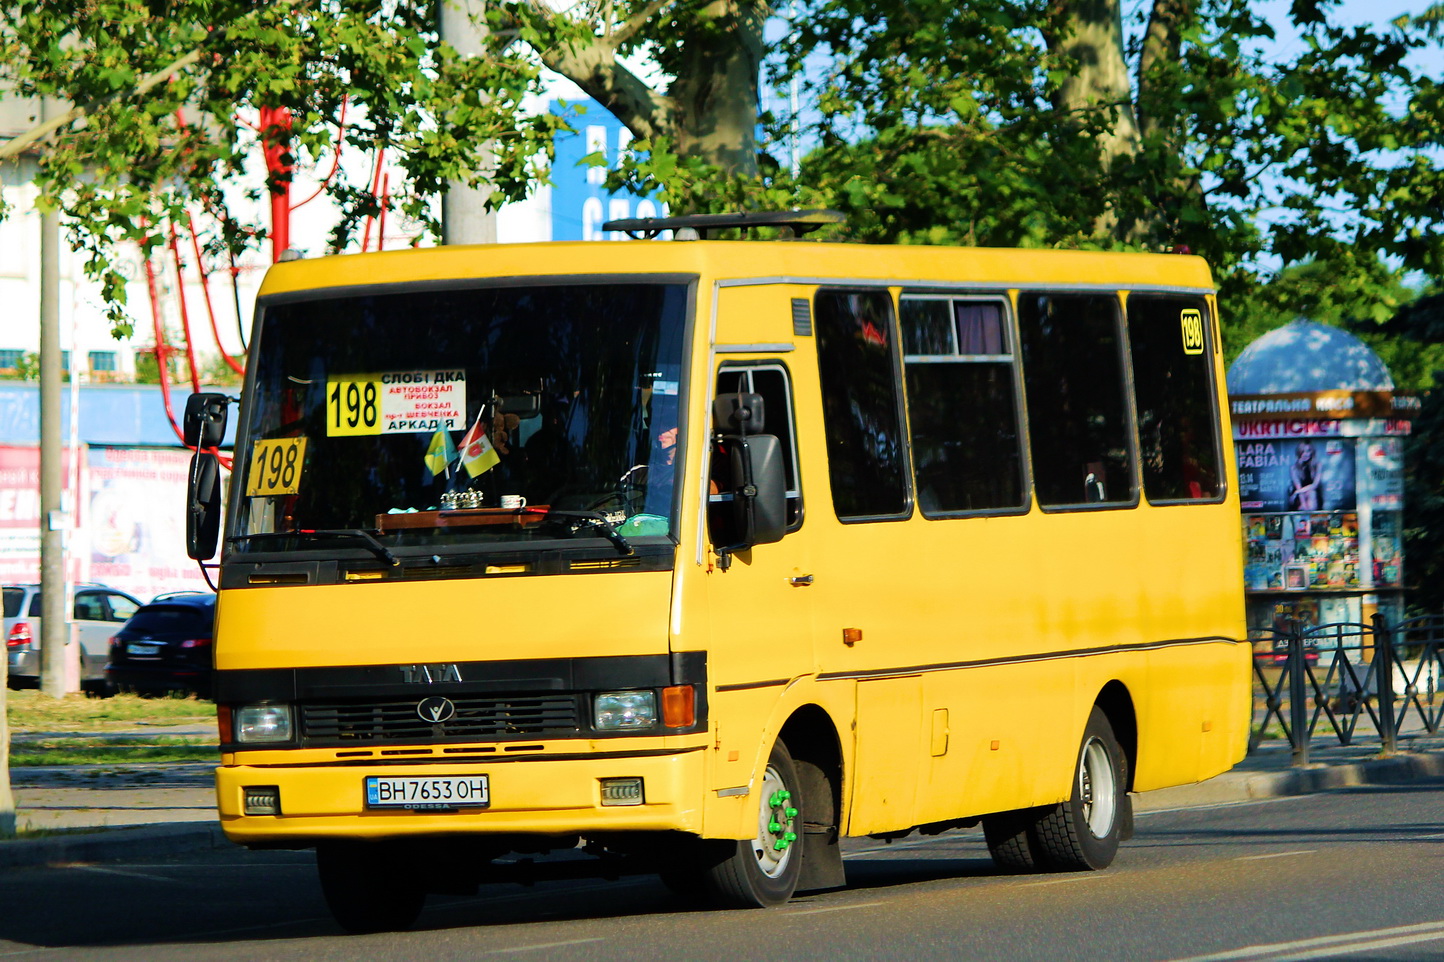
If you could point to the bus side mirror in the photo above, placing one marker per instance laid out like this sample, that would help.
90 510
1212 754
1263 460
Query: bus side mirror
756 509
203 506
762 497
205 420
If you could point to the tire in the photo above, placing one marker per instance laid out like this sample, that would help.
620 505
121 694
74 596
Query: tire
1082 834
370 887
758 872
1009 838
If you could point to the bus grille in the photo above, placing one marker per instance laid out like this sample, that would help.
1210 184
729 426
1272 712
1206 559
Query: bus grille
486 718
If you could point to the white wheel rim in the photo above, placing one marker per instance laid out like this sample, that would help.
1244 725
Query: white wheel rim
1097 787
776 829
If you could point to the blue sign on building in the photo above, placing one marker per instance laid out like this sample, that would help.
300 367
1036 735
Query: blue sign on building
580 200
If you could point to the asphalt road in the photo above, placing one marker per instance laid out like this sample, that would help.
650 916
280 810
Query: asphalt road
1352 874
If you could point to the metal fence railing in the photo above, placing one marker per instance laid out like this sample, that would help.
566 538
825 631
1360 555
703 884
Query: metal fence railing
1349 682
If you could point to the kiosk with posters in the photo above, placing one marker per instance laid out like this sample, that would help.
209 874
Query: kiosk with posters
1318 430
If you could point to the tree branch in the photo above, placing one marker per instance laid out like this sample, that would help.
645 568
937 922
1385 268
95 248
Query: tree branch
147 83
14 147
629 29
592 65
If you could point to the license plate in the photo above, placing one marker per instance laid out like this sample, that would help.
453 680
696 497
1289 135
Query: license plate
430 792
143 650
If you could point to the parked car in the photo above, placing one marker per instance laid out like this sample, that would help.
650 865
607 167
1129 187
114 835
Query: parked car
97 612
165 646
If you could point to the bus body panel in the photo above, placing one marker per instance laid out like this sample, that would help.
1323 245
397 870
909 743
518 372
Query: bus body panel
372 623
545 797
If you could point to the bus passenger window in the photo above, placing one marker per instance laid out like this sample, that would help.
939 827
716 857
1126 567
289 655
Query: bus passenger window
866 461
962 404
1168 336
1077 412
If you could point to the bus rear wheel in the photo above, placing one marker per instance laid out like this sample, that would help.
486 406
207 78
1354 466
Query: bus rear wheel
1010 841
369 887
1082 834
758 872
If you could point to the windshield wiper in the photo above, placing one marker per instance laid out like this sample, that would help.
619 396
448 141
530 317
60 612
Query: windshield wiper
597 521
374 546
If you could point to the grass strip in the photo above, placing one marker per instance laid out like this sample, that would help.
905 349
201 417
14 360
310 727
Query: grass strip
33 711
96 751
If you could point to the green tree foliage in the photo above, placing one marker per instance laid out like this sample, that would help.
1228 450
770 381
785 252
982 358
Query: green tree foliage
1015 122
1417 329
697 101
167 94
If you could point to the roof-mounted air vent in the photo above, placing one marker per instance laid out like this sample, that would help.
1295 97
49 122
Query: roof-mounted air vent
792 223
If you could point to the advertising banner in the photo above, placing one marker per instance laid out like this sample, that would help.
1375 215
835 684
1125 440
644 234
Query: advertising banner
137 521
581 202
20 513
129 532
1296 475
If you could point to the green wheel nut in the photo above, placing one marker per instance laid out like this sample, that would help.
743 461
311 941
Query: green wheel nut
790 837
774 826
790 812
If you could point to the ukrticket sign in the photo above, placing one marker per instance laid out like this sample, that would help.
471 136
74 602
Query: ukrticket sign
396 402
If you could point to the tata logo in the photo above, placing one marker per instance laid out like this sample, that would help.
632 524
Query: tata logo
436 709
429 674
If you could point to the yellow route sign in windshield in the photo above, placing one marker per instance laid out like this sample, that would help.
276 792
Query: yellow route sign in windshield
276 467
396 402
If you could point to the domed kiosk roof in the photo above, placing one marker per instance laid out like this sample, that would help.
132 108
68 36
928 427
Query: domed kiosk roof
1304 357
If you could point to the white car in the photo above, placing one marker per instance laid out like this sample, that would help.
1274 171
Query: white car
99 612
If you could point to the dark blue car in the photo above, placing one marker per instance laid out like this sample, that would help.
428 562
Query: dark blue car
165 647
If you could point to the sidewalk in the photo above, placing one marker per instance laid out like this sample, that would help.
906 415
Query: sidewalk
114 812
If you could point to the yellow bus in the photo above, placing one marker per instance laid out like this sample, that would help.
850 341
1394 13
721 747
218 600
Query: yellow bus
698 555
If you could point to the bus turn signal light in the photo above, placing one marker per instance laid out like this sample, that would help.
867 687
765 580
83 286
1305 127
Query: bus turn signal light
679 706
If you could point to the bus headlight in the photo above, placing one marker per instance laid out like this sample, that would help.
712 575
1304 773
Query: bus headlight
257 724
624 710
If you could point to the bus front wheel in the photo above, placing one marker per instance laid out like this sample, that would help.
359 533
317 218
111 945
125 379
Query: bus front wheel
369 887
1082 833
757 872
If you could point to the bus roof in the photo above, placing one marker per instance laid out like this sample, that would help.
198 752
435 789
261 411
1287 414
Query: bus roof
778 261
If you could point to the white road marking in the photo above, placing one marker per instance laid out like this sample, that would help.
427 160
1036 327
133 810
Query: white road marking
1327 946
830 908
544 945
116 871
1083 877
1141 812
1255 858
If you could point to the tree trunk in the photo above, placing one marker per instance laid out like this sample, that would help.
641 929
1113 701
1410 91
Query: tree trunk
1088 34
710 110
716 94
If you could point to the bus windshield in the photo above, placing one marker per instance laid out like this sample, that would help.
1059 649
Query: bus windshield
447 416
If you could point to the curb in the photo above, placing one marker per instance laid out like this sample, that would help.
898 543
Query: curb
1380 771
1244 786
112 844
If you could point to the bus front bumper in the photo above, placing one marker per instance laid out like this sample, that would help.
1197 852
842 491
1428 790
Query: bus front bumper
527 797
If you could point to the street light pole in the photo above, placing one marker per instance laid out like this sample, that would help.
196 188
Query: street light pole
464 216
53 629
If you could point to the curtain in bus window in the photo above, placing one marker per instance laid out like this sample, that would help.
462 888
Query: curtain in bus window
1075 390
865 456
962 409
980 328
1173 383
